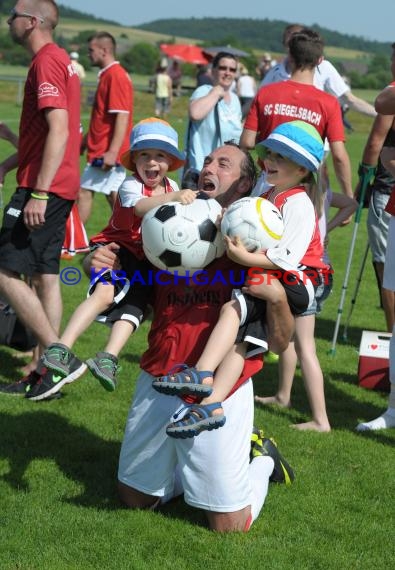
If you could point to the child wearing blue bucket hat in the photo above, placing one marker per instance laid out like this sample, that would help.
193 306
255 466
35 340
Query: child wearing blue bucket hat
111 297
291 154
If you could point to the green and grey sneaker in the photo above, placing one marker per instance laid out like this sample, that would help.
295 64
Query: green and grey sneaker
264 446
104 367
59 358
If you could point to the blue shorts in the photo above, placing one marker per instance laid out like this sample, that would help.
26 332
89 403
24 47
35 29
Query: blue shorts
322 292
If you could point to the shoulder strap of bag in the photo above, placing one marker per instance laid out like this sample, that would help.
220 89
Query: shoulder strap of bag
217 125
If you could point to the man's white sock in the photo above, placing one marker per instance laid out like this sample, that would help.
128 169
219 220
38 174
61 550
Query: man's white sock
261 468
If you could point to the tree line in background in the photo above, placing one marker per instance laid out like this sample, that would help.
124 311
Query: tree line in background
372 71
259 34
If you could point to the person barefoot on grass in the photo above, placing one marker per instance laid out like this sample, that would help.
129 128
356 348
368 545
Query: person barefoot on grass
293 152
153 152
303 347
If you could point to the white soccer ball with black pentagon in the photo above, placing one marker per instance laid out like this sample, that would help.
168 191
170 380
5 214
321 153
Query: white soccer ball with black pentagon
256 221
180 238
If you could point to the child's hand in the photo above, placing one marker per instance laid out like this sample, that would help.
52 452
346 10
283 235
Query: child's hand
185 196
219 219
236 251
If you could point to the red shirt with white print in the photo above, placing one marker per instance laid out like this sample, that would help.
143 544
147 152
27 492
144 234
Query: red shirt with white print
51 83
279 103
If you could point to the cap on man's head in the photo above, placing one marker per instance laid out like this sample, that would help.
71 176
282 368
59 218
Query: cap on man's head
155 134
74 55
297 140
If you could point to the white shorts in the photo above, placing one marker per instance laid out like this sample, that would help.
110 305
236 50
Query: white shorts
102 181
389 265
214 466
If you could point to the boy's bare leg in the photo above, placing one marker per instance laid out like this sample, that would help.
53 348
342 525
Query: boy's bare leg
120 334
221 340
226 375
86 313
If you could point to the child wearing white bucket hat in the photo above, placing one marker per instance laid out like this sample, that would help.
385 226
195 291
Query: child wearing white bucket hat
111 298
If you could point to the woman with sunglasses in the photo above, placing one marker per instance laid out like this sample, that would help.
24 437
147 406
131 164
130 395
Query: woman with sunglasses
214 112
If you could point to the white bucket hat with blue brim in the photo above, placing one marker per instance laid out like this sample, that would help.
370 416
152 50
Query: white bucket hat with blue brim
156 134
297 140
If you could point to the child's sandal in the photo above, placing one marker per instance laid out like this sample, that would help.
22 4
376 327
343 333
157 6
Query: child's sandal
187 382
198 418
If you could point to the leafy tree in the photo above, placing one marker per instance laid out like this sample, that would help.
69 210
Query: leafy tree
141 58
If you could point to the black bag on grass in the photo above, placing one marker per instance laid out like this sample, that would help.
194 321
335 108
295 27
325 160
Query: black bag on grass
12 332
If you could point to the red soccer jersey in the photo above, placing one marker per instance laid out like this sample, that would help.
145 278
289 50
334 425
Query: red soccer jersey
124 227
114 94
185 312
51 83
278 103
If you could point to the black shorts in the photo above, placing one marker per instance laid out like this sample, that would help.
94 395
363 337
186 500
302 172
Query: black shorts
33 252
131 289
253 327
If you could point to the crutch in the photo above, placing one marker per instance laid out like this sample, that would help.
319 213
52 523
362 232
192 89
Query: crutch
366 173
354 298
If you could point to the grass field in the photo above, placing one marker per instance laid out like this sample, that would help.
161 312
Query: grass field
58 460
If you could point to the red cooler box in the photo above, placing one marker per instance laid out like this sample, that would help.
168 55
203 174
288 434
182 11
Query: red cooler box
373 367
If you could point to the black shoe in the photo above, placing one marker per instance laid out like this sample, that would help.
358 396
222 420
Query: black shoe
282 472
21 387
256 441
50 383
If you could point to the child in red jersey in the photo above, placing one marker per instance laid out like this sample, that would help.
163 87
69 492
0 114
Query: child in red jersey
111 297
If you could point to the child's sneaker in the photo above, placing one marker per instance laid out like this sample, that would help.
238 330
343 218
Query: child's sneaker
104 367
59 358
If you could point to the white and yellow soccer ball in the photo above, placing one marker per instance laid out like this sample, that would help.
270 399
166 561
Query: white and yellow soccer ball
256 221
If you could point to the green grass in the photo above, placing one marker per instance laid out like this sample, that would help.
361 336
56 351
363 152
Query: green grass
58 460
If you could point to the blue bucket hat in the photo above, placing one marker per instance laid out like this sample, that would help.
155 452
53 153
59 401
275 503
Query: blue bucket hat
156 134
297 140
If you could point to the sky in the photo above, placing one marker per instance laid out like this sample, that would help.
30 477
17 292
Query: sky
371 21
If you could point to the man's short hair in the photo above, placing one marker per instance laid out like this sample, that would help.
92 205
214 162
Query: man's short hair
221 55
306 48
49 10
104 36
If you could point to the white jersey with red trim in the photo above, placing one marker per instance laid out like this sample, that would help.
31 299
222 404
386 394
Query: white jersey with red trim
301 244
